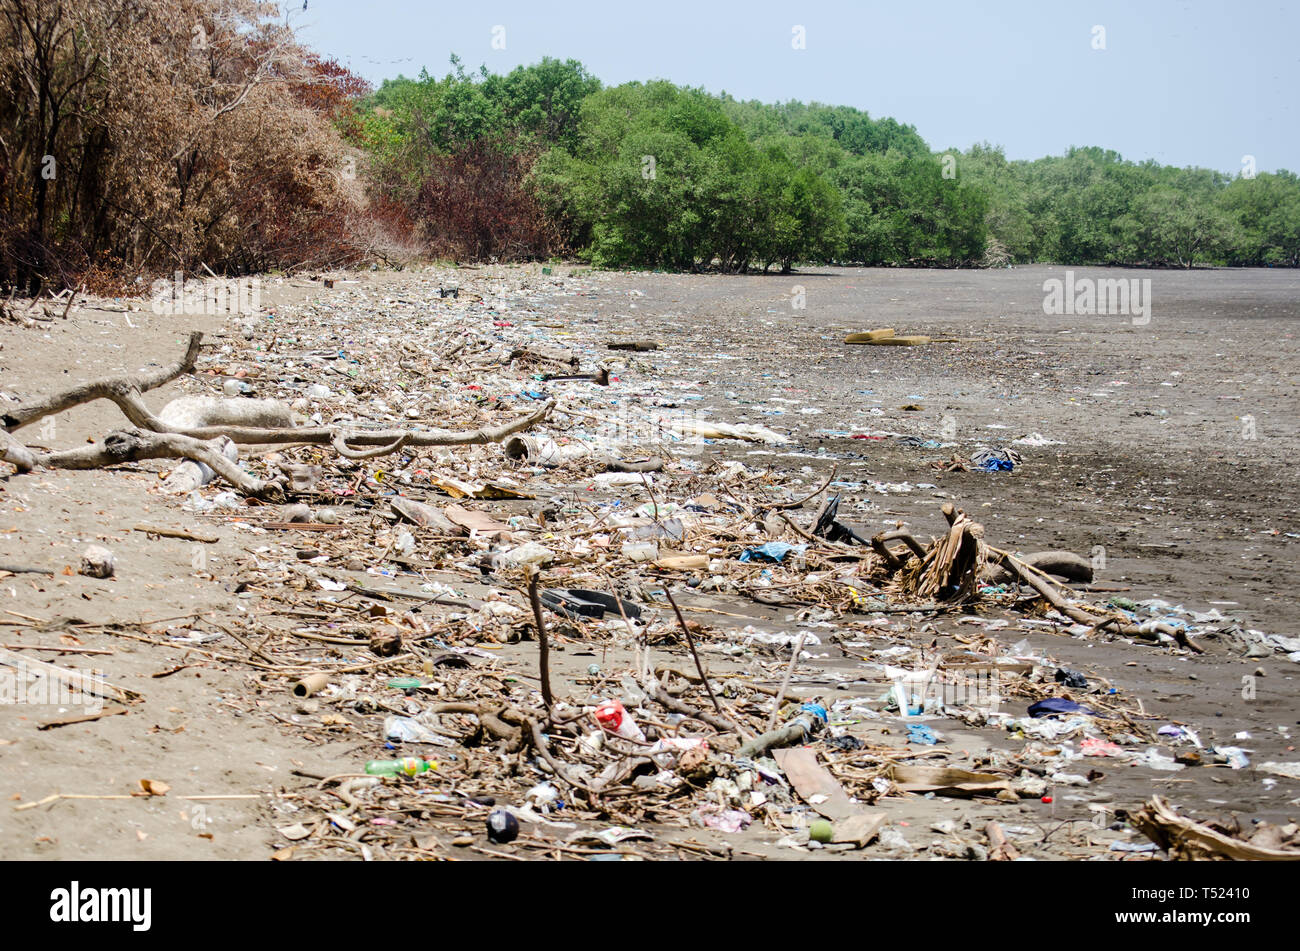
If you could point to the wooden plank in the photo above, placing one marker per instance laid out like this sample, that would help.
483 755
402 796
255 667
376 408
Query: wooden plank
817 787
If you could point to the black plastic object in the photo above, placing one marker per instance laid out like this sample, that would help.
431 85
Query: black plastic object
829 528
1071 678
581 603
502 826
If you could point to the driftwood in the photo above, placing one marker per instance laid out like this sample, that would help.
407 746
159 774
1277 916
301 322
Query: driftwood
796 731
879 544
123 390
154 437
543 646
951 567
86 718
1066 564
1000 850
1185 839
1039 581
690 642
654 464
132 445
389 439
15 453
75 681
721 723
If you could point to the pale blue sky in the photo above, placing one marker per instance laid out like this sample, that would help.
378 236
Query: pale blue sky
1186 82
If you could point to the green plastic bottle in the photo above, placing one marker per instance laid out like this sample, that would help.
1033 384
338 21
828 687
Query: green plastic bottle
406 766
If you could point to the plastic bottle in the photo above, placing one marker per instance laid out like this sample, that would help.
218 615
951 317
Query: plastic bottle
614 718
406 766
641 551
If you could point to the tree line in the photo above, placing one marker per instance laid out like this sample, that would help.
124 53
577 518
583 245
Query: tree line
143 136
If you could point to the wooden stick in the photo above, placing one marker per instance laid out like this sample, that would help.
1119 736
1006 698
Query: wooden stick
82 683
55 797
175 533
813 494
543 648
785 684
232 796
58 648
690 642
68 721
1000 850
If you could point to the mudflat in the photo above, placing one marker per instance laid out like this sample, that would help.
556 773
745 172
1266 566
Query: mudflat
1161 444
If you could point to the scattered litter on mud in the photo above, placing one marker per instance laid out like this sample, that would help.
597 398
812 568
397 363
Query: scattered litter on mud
538 596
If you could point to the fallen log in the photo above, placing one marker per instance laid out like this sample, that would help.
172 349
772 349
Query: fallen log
132 445
390 439
158 437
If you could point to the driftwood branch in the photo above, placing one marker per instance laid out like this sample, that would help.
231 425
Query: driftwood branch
341 447
123 390
1000 849
690 642
1044 586
543 646
132 445
389 439
1186 839
720 723
15 453
152 438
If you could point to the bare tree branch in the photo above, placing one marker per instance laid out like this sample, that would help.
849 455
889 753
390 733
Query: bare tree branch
132 445
123 390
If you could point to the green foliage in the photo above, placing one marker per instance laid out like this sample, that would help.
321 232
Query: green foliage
544 100
1090 206
661 176
851 130
657 175
1266 210
902 210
